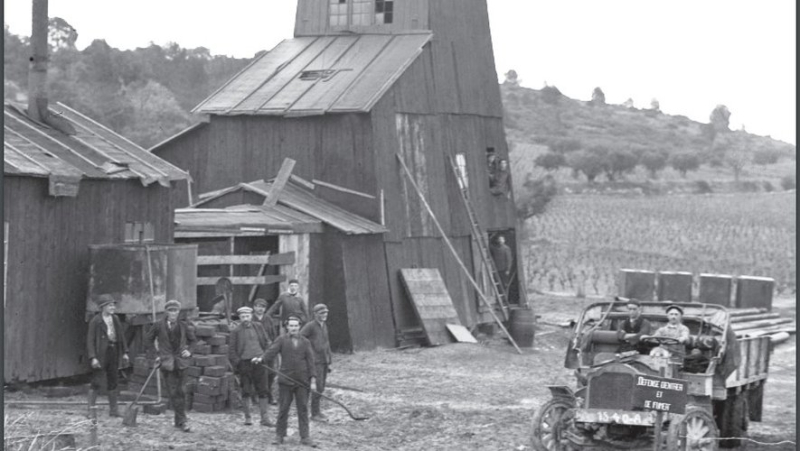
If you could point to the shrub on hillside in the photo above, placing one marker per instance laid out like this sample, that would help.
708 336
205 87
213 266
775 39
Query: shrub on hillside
537 193
768 187
747 187
550 161
684 162
551 95
766 156
702 187
654 161
590 162
618 162
564 145
788 182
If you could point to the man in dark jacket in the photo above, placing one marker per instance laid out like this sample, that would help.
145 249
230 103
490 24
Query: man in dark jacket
260 315
290 304
247 341
631 330
503 260
174 339
106 345
297 362
317 333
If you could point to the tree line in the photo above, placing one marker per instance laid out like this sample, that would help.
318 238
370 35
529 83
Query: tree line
144 94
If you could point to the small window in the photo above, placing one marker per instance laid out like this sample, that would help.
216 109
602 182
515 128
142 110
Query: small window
310 75
139 232
338 13
461 164
363 11
384 11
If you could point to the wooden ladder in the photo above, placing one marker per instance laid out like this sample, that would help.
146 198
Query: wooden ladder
498 289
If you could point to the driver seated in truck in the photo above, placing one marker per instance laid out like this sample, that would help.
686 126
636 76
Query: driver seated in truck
631 330
673 329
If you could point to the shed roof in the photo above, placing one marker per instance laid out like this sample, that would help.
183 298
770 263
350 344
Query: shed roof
73 146
242 220
317 75
304 201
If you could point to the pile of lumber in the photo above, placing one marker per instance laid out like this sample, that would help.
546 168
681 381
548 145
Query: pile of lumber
755 322
209 383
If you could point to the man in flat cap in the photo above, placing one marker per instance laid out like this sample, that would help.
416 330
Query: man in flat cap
174 339
290 304
247 341
317 333
106 345
631 330
297 362
673 329
260 315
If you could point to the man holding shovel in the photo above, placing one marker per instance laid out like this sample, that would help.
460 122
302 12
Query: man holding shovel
105 345
317 333
247 341
174 338
297 362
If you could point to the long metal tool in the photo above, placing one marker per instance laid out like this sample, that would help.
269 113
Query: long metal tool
129 417
153 304
357 418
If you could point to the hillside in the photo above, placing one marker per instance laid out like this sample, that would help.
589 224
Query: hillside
539 121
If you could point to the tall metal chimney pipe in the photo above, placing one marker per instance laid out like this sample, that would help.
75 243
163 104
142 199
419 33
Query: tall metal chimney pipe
37 68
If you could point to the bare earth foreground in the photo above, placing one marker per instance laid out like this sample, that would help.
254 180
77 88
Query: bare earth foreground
455 397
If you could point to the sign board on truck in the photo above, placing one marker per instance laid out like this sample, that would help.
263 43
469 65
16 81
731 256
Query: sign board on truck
660 394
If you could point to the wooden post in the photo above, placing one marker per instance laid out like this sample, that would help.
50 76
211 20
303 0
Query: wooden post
455 254
37 71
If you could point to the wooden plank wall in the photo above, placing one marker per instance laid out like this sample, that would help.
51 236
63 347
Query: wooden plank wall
368 303
48 265
335 293
312 18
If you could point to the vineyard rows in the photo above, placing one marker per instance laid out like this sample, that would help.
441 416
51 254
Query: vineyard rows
581 242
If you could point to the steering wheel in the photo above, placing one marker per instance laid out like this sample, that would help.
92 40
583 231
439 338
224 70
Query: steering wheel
660 340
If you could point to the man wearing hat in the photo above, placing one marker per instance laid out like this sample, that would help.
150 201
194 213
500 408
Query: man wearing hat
260 315
673 329
174 339
105 345
247 341
631 330
317 333
290 304
297 362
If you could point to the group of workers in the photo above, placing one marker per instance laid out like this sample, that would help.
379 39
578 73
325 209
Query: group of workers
302 347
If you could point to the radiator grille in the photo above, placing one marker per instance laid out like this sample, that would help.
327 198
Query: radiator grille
611 391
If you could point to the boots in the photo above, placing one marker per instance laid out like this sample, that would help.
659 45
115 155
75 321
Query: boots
246 408
263 405
92 402
113 410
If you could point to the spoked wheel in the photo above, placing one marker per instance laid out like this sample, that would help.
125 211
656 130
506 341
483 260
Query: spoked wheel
695 431
548 424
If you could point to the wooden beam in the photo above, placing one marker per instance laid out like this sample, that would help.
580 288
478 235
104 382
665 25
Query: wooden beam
342 189
280 181
286 258
237 280
455 253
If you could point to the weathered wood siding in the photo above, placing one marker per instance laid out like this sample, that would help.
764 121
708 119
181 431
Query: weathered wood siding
369 307
48 265
333 148
335 293
312 18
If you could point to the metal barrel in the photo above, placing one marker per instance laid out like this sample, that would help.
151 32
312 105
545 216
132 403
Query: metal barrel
521 326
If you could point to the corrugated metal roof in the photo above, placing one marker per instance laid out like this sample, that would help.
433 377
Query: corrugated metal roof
80 148
243 219
304 201
318 75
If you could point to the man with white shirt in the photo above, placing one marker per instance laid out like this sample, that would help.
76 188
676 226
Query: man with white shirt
673 329
106 345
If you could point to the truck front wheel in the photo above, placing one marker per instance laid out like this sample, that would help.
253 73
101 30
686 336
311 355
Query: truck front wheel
695 430
548 423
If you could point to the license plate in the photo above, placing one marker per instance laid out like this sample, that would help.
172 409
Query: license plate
615 416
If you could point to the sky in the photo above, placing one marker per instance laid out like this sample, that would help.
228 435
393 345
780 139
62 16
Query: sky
690 55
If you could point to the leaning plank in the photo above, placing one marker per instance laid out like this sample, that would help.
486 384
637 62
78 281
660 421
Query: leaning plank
759 316
265 280
275 259
461 333
280 181
761 323
431 301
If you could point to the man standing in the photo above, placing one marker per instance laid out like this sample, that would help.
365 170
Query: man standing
290 304
501 254
247 341
260 315
105 345
630 331
297 362
317 333
174 338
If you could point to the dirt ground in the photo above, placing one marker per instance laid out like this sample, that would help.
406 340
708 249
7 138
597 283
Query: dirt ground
454 397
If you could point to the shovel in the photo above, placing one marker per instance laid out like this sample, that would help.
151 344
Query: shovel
316 392
129 418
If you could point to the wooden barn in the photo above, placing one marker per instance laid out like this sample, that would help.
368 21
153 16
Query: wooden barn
68 183
362 82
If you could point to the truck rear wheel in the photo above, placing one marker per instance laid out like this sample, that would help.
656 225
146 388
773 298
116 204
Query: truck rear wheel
548 424
695 430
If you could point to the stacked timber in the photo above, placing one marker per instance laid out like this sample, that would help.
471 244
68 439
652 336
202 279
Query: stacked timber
756 322
209 383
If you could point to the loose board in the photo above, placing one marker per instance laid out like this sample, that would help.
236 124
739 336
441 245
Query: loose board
461 333
432 303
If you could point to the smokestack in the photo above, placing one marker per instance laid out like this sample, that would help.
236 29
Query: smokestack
37 69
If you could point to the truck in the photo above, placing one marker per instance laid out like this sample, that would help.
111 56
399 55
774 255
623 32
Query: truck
628 399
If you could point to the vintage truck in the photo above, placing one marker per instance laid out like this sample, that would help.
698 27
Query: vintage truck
630 400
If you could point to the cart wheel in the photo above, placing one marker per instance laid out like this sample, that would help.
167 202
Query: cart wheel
548 423
695 431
